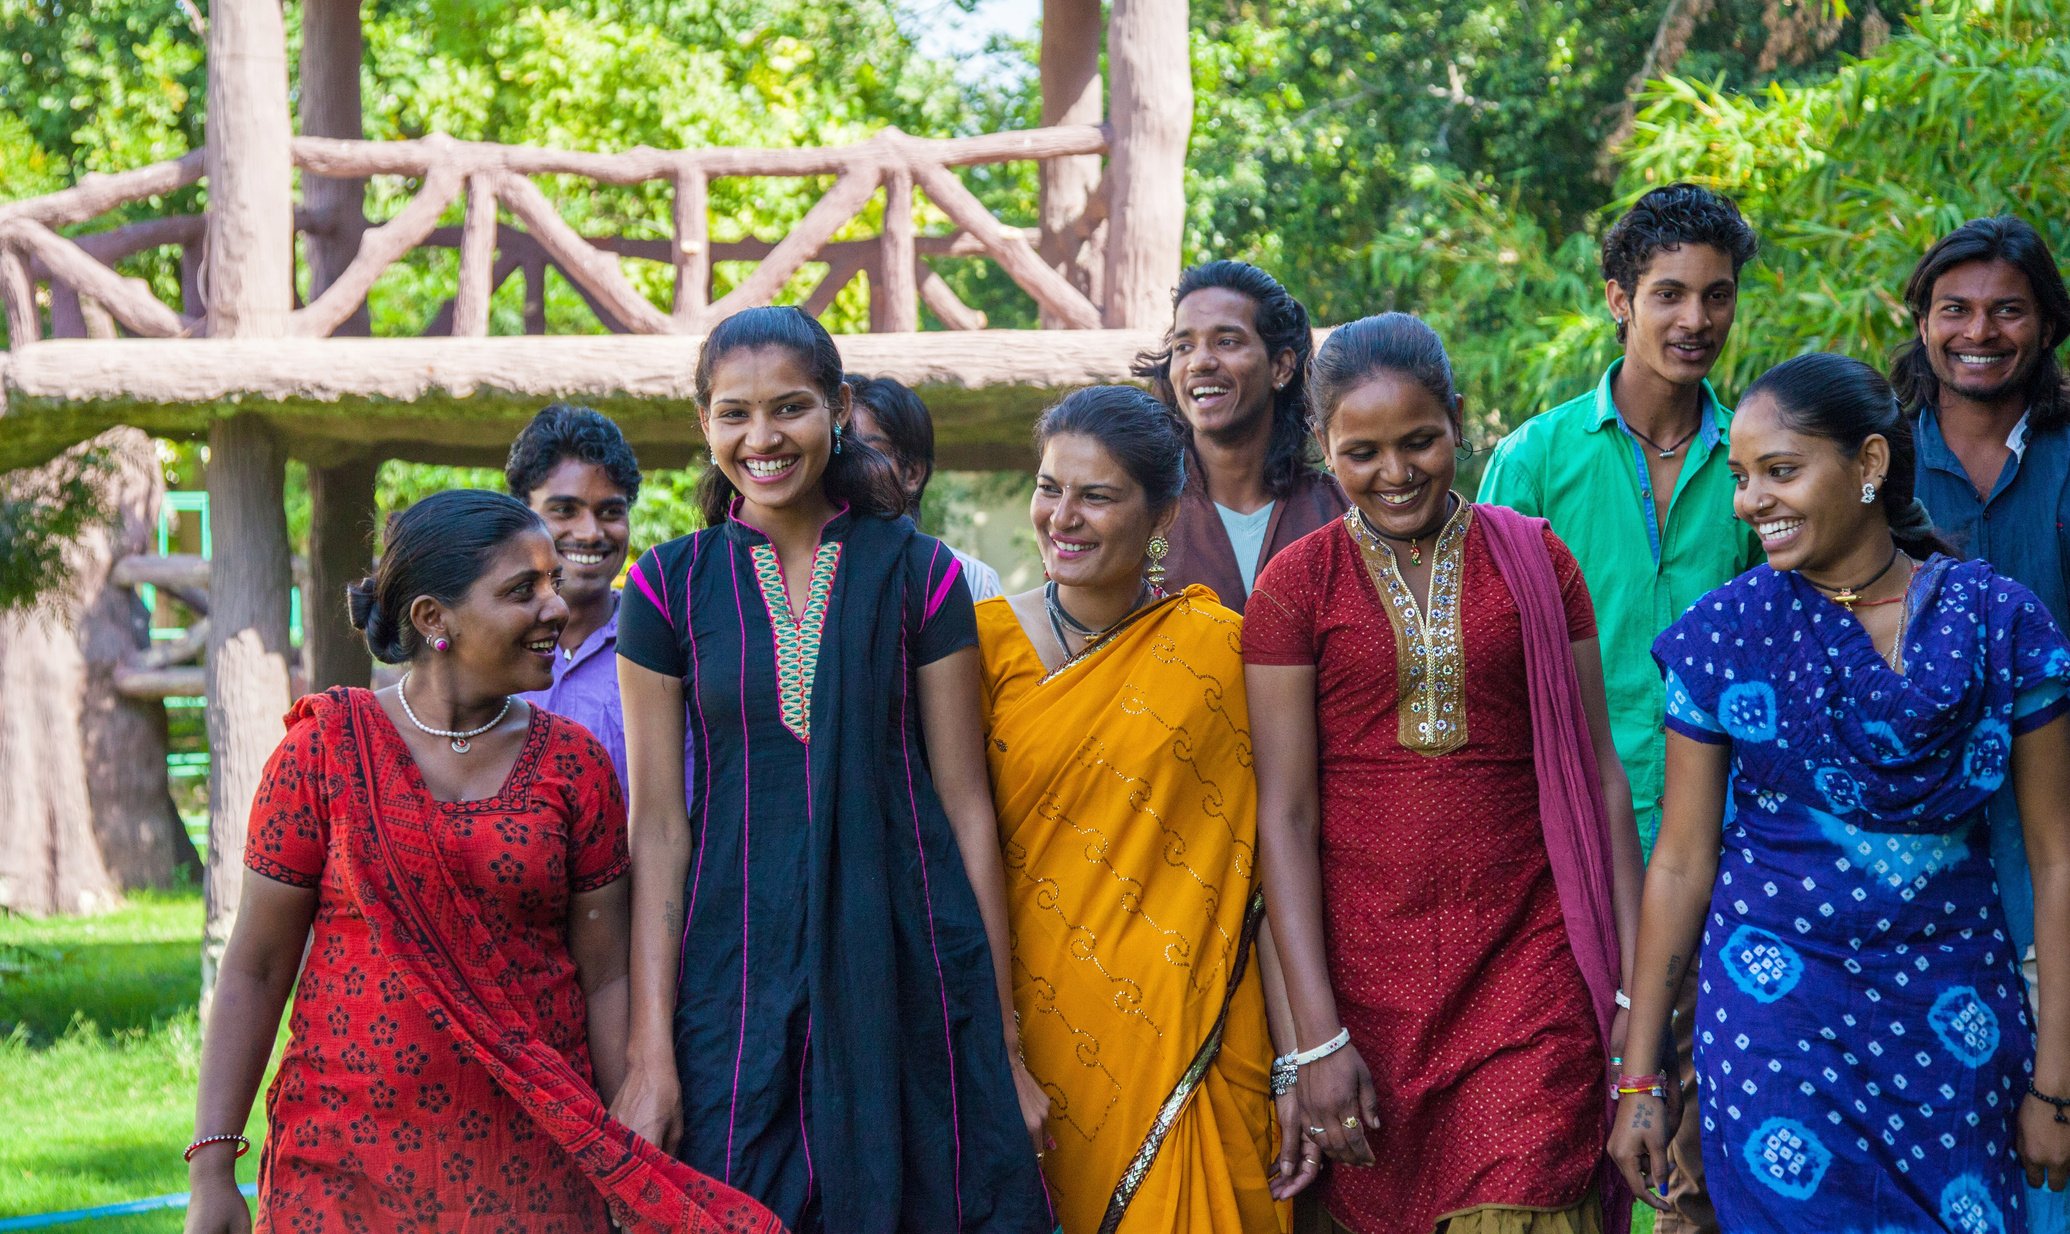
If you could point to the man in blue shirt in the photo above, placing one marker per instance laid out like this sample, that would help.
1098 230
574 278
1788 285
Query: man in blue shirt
1982 377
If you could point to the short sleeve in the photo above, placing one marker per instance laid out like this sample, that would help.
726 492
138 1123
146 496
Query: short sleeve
1691 657
1581 610
948 620
1279 617
2040 660
1507 480
647 628
288 831
598 850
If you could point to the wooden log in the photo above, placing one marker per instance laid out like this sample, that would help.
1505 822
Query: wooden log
839 274
1071 95
184 570
595 271
99 192
379 249
691 249
416 158
341 552
328 99
477 256
247 672
1051 292
128 299
251 220
99 322
67 317
190 645
441 324
947 305
513 240
1147 59
18 299
176 681
894 294
826 217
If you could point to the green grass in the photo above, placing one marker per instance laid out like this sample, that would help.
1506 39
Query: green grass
99 1052
99 1049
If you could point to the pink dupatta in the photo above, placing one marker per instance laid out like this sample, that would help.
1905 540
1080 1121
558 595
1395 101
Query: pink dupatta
1570 794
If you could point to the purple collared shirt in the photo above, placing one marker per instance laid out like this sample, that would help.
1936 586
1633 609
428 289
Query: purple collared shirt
585 690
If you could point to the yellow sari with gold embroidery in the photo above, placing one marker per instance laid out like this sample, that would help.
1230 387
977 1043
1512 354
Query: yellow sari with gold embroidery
1127 809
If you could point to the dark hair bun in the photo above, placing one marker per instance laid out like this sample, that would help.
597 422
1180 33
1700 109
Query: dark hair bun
364 602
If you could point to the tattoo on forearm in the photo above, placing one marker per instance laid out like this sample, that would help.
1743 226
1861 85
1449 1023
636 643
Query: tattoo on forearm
672 915
1674 980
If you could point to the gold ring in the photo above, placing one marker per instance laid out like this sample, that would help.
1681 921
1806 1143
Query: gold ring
1350 1122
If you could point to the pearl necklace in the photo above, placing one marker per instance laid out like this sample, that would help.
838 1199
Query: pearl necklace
457 738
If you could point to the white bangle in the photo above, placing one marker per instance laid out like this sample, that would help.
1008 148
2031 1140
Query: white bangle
1624 1000
1327 1048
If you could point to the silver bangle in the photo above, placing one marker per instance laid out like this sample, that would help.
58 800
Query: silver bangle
1304 1057
1624 1000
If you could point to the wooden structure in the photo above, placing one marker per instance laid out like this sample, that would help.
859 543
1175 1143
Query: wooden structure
239 362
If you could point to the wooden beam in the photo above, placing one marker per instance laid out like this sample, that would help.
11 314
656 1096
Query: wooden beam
251 219
691 249
247 667
1147 58
947 305
178 570
328 99
174 681
894 289
99 192
1009 248
129 299
379 249
1071 95
18 299
826 217
597 272
839 274
477 258
341 552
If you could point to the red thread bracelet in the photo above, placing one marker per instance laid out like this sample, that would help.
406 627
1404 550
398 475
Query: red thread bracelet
243 1145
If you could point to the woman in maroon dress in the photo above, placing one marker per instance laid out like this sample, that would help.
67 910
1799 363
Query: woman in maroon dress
1445 883
461 857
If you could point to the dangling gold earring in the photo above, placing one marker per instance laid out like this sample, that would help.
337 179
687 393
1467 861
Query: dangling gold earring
1159 547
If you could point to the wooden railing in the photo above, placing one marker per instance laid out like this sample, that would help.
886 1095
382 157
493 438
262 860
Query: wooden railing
88 297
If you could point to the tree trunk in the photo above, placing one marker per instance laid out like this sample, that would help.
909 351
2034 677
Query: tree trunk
247 669
88 811
341 530
328 97
251 220
1153 119
1071 94
1678 23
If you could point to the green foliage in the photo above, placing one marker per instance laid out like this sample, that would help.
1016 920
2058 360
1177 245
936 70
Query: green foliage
42 511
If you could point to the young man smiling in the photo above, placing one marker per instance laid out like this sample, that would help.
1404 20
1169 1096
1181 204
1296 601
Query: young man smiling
1235 368
574 468
1990 309
1632 475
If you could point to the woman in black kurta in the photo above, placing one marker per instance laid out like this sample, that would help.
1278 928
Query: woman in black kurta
837 1029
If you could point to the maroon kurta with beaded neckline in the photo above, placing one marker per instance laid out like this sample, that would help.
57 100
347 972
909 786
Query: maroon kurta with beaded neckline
378 1121
1448 951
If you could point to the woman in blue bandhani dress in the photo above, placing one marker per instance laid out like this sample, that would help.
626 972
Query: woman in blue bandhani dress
1865 1055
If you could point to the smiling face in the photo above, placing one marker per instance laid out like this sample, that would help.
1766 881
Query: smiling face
1679 315
1222 376
1092 520
1982 332
1394 448
1802 494
587 515
506 628
770 428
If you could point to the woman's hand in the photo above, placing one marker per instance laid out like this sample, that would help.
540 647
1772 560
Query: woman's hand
1639 1133
1300 1160
1034 1102
215 1206
651 1103
1336 1095
2044 1145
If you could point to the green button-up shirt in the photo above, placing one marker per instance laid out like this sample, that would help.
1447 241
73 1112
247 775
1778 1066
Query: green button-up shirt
1578 467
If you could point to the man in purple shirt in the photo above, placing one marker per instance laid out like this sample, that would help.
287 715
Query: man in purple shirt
574 468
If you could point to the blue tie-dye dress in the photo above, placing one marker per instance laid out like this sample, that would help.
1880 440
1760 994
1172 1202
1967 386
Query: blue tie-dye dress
1861 1033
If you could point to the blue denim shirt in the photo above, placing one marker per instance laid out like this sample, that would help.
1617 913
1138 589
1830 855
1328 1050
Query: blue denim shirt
2020 530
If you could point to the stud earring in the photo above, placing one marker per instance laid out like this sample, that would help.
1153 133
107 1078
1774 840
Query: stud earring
837 437
1868 494
441 643
1158 548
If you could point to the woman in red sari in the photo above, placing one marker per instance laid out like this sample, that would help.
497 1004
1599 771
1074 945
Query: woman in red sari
456 861
1450 861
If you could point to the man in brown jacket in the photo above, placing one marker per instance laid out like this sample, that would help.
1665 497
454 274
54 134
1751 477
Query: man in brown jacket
1235 366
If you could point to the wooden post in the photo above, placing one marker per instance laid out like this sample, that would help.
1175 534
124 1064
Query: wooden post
332 48
251 221
247 667
341 528
693 256
1152 121
535 294
477 259
1071 94
894 289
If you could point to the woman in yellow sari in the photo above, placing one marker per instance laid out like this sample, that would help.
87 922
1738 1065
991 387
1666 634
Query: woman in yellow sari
1121 771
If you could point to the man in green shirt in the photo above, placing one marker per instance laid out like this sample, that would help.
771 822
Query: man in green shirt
1632 476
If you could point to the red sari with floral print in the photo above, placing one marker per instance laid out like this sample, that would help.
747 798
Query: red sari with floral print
437 1074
